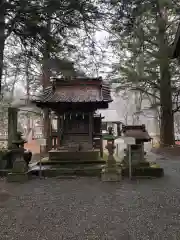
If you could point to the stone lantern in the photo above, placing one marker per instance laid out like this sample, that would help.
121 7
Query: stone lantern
20 167
111 172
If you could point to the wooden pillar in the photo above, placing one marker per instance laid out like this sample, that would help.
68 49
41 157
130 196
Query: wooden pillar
101 138
62 129
50 144
58 131
12 125
91 128
118 129
47 129
142 151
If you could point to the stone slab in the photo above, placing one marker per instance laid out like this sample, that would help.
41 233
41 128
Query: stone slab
144 172
17 177
111 176
67 155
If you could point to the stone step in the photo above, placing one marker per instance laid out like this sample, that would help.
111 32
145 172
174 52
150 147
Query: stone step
48 171
73 155
4 172
71 162
146 172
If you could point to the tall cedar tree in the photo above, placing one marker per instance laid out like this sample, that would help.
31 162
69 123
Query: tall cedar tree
126 17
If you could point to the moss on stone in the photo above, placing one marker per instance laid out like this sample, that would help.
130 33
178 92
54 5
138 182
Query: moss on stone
143 172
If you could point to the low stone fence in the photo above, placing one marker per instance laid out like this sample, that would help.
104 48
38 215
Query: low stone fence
3 139
3 136
3 144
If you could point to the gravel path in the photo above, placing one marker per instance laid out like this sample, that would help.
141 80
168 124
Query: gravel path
86 208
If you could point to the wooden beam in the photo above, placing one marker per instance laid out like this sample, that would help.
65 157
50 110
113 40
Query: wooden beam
91 127
101 139
59 131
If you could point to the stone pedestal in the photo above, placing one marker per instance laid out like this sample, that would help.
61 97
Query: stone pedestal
111 172
17 177
20 170
111 175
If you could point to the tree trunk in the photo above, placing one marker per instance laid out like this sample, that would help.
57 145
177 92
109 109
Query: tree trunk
28 92
167 121
138 103
45 83
46 118
2 38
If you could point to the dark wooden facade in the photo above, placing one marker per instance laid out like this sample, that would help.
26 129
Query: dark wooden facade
74 102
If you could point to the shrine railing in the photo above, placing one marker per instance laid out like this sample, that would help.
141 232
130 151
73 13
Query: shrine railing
54 142
54 139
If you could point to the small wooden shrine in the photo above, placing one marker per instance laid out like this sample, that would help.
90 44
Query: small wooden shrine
141 136
74 102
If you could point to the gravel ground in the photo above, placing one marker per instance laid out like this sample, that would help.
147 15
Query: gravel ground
86 208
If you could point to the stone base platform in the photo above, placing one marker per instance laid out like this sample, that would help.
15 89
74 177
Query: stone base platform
148 172
111 175
51 171
17 177
63 155
63 163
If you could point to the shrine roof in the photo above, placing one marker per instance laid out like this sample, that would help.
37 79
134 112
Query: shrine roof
76 91
137 132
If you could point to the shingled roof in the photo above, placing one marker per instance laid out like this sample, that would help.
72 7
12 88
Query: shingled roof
136 131
76 92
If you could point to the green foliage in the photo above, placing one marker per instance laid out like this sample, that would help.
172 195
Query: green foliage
29 20
43 29
143 31
136 35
